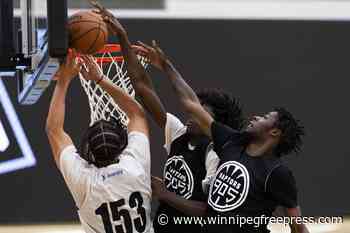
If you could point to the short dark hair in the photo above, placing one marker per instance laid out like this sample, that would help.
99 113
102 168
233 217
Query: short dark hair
226 109
292 133
103 142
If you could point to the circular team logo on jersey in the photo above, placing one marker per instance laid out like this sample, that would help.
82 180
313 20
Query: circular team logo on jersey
230 187
178 177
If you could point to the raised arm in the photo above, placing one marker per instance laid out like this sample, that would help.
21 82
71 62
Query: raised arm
186 95
134 111
58 138
140 79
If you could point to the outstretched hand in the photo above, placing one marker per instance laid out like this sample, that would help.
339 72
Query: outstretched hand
91 71
69 69
153 53
114 26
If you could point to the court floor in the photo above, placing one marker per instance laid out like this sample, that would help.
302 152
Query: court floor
75 228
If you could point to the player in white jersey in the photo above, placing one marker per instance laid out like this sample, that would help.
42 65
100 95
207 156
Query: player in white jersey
109 178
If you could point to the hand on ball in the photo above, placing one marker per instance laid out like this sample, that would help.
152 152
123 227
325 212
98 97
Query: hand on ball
114 26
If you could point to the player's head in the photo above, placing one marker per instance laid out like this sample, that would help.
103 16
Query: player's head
278 126
222 107
103 142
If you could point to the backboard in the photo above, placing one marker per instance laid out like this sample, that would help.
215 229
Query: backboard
35 39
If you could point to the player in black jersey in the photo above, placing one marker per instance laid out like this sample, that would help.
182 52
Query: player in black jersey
191 161
251 180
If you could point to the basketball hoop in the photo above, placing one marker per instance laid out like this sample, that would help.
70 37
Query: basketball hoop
113 66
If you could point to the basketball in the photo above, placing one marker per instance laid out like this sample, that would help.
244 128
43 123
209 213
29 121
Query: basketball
87 31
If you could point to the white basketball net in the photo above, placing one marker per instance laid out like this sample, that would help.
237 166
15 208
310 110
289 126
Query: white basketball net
101 103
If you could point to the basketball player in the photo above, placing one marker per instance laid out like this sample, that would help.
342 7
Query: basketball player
110 176
251 180
191 161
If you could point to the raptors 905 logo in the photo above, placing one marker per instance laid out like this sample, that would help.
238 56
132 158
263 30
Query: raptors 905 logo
230 187
178 177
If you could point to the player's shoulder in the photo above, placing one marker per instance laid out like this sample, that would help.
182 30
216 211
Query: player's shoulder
173 121
71 161
282 169
138 145
174 126
137 136
172 117
281 173
138 148
68 154
69 149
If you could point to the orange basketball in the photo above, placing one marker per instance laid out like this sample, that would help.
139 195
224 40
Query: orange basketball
88 33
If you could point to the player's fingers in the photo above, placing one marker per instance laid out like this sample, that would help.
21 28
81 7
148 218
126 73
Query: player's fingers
74 53
142 54
140 43
107 12
107 19
83 57
79 59
93 65
160 51
109 22
114 21
78 64
96 11
140 49
110 28
86 58
97 5
102 10
87 61
156 45
157 179
149 48
84 71
68 60
91 60
139 52
90 63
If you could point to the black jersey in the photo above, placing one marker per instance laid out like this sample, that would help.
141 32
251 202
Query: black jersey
246 186
184 171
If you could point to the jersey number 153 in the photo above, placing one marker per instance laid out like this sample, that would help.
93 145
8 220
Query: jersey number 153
117 212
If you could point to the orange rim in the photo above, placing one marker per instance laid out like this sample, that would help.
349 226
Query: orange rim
109 59
110 48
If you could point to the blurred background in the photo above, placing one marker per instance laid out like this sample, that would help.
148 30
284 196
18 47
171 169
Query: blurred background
120 4
275 53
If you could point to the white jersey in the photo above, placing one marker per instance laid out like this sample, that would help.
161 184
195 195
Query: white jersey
174 128
116 198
